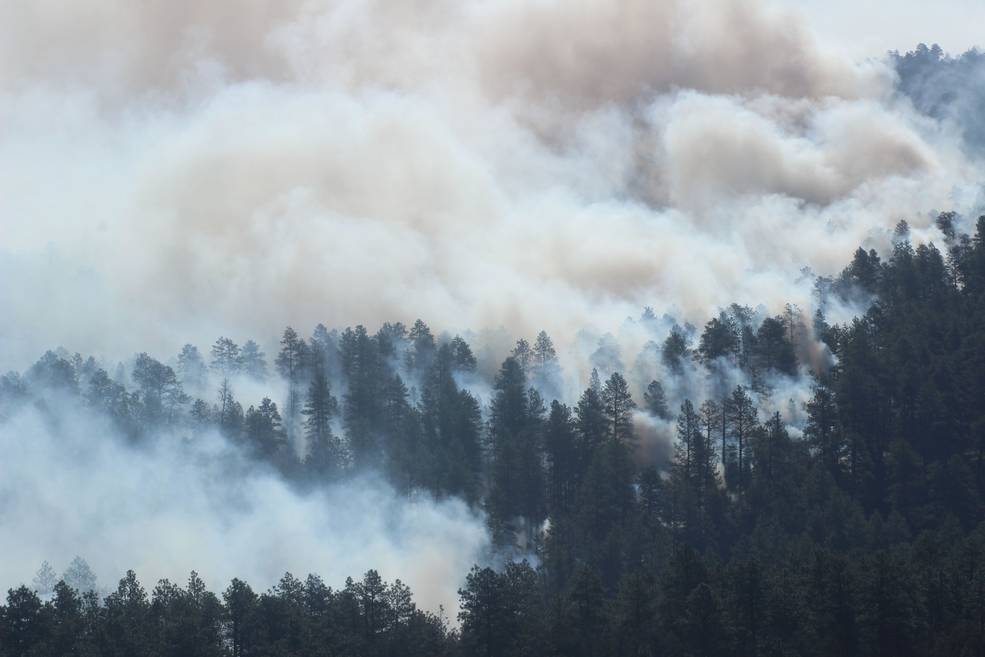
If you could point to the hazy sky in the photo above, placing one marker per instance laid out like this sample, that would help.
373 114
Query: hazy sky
871 27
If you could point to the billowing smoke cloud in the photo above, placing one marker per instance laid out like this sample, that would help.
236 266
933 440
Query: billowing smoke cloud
172 171
69 486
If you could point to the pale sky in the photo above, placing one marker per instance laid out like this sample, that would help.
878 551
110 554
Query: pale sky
871 27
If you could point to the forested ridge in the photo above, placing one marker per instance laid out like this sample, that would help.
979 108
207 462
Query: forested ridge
850 524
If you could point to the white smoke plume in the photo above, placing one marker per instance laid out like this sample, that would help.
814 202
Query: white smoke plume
69 486
173 171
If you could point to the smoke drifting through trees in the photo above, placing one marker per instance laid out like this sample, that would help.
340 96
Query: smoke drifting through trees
879 489
181 499
214 456
948 88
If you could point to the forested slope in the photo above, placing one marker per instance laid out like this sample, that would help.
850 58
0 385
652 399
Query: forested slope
851 524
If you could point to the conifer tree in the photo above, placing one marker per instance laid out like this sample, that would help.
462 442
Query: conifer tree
655 401
252 361
292 364
619 407
324 456
225 357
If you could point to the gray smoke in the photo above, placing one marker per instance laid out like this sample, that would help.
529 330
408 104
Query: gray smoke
948 88
173 171
69 486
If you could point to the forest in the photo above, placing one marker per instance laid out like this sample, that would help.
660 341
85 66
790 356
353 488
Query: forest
492 328
850 525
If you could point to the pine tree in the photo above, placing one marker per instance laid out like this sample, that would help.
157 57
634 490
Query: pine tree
771 452
694 478
252 361
228 412
523 355
619 407
675 351
44 581
711 420
319 408
584 614
161 395
545 369
450 426
292 364
241 609
422 348
325 350
401 426
636 613
543 350
720 339
52 373
366 377
591 420
200 413
23 629
499 611
264 431
823 431
79 576
516 489
128 617
225 357
191 369
656 401
69 634
742 423
462 357
774 348
562 459
324 450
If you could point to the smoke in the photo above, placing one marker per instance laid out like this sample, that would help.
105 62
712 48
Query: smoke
172 172
654 439
69 486
946 88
